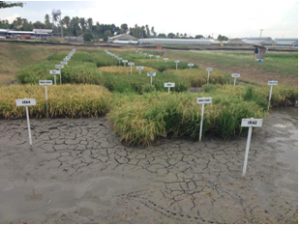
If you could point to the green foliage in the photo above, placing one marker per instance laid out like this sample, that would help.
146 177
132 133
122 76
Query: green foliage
10 5
88 37
140 83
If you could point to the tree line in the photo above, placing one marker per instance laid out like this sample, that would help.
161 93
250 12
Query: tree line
80 26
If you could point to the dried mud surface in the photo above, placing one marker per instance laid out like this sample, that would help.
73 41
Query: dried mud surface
79 172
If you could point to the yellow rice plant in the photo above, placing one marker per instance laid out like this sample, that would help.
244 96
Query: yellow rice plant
121 70
63 101
198 76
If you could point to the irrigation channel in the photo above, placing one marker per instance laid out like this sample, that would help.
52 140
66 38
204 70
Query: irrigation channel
79 172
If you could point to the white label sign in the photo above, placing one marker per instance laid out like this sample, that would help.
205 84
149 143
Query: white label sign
65 59
119 58
235 75
64 63
139 67
54 72
204 100
45 82
145 53
150 55
59 66
157 56
169 84
272 82
151 74
209 69
125 61
177 61
252 122
25 102
130 64
191 64
166 59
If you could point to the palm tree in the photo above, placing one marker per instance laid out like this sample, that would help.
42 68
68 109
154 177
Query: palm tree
47 19
66 20
90 23
82 23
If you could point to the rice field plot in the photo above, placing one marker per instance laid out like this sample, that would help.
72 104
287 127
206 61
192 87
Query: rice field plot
63 101
141 119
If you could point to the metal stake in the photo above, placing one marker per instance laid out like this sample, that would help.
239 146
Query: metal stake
247 151
28 125
270 97
201 123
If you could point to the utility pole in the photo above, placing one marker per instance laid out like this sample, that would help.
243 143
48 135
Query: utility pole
261 32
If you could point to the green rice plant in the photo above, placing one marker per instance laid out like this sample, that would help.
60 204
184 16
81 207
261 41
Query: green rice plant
84 72
63 101
138 83
162 66
78 57
102 59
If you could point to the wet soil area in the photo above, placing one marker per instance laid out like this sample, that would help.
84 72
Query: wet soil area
79 172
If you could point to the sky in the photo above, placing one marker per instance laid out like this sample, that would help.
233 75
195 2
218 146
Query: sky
232 18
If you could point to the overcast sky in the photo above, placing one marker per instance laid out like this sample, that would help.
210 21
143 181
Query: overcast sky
232 18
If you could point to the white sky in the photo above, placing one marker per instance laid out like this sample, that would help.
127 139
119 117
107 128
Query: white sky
232 18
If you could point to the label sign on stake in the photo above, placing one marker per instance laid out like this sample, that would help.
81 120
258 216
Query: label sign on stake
151 74
59 67
235 75
145 54
64 63
54 72
157 57
190 65
27 102
166 59
125 61
208 69
249 123
139 68
176 61
119 60
271 83
46 83
150 56
203 100
130 64
169 85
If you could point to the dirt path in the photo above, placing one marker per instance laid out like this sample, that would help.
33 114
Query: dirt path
79 172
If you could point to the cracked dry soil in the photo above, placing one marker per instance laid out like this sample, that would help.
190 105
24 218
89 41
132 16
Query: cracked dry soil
79 172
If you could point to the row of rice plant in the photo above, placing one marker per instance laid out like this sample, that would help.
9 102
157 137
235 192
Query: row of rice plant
63 101
141 119
282 95
74 72
198 76
141 83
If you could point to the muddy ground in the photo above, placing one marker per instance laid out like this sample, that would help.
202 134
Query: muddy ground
79 172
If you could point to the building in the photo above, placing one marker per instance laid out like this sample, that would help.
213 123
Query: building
175 41
123 39
286 42
35 34
265 41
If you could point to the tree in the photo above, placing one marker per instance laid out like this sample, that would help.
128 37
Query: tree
107 33
199 36
161 35
222 38
87 37
171 35
153 32
66 21
90 23
82 23
147 31
124 28
10 5
47 19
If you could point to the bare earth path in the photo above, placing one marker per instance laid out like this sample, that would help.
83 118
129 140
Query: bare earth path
79 172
